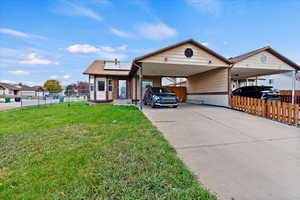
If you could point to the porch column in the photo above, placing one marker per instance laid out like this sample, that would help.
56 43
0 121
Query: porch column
95 99
293 86
141 87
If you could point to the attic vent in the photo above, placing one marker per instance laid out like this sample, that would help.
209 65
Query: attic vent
188 52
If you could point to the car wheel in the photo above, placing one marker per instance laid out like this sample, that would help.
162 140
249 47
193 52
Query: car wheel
152 104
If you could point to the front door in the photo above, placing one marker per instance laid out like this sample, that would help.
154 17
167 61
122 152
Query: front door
100 89
123 89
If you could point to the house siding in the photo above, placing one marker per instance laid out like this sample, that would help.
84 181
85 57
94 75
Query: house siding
272 62
210 87
176 56
208 82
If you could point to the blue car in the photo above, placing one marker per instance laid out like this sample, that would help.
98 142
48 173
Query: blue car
159 96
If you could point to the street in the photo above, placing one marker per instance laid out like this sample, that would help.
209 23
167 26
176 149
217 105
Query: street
35 102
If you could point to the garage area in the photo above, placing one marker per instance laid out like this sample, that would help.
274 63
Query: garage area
207 73
234 154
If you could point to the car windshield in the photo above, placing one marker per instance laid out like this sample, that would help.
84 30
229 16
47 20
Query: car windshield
158 90
266 89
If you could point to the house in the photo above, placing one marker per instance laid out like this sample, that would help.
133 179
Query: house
26 90
9 89
208 74
40 91
280 81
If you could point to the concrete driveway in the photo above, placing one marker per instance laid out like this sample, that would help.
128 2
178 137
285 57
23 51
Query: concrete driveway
234 154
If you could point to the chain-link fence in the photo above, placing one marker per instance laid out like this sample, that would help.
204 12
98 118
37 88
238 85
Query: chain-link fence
8 101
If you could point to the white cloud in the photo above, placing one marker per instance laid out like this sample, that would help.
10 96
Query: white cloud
70 9
106 52
66 76
33 59
8 81
82 48
19 34
107 55
123 47
213 7
158 31
53 77
113 49
107 48
204 44
122 34
19 72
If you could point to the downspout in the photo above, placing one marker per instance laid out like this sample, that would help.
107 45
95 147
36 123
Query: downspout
229 84
141 80
294 86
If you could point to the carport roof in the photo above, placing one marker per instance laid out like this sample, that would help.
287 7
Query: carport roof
268 49
190 41
134 67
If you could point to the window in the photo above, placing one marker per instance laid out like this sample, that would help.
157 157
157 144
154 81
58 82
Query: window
147 84
91 86
271 81
109 85
158 90
101 85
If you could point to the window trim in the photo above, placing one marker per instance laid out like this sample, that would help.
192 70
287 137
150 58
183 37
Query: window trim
110 85
102 89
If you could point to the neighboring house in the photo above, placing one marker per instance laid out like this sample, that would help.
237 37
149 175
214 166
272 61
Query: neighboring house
26 90
9 89
22 90
40 91
280 81
208 74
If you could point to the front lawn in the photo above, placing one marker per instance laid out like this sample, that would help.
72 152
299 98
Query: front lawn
89 152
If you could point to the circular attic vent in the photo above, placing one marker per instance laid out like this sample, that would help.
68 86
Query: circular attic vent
263 59
188 52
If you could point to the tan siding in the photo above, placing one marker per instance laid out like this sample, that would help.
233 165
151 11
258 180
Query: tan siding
176 56
212 81
272 62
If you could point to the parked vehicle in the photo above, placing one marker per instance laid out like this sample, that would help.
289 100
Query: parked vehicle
159 96
258 92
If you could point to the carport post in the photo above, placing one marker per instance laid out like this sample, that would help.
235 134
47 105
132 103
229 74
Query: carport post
293 86
141 87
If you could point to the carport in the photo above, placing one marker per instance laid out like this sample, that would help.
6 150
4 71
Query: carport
206 71
262 62
209 75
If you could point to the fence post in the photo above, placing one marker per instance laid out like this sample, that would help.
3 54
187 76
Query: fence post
296 114
290 112
264 108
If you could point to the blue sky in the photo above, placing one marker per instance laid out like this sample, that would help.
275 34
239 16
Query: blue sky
58 39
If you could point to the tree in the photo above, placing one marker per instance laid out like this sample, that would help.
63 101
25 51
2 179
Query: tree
83 88
71 90
53 86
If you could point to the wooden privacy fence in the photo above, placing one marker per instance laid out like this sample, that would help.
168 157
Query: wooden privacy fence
276 110
286 96
179 91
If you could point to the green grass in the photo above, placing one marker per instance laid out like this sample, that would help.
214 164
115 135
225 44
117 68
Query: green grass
89 152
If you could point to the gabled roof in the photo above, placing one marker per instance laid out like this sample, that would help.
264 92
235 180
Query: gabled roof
9 86
26 87
97 68
189 41
268 49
